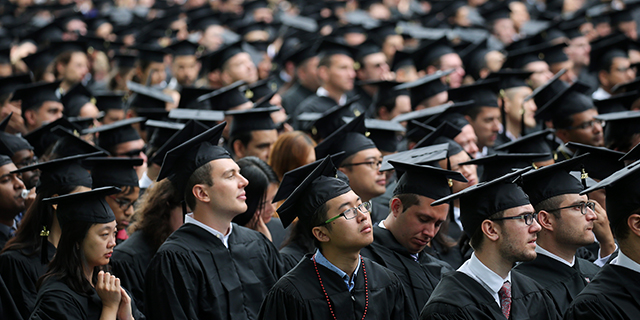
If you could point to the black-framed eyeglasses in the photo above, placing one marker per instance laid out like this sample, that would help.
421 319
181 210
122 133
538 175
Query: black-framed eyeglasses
351 212
123 204
587 124
528 218
373 164
582 205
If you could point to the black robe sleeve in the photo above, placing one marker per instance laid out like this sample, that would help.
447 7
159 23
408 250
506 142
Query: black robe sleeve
8 309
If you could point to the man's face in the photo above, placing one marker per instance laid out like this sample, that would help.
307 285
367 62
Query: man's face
469 171
419 224
185 69
467 139
374 67
364 174
403 105
452 61
240 67
341 73
352 234
629 28
518 240
486 126
11 188
494 60
574 228
112 116
261 143
132 149
587 130
392 44
49 111
77 68
436 100
541 73
515 104
212 38
227 192
307 73
620 72
122 206
159 74
578 51
504 30
569 76
24 158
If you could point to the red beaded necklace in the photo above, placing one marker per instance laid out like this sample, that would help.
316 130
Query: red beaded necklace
366 289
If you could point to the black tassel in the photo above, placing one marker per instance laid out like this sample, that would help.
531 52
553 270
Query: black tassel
503 114
184 210
522 122
44 246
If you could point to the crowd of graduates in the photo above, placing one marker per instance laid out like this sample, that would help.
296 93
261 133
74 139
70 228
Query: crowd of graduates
273 159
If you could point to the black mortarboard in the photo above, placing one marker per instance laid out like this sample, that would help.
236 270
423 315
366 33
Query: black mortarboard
427 181
423 155
299 55
553 180
110 101
509 78
10 143
483 92
150 53
251 120
483 200
225 98
497 165
59 47
494 10
203 17
473 58
217 59
38 61
115 133
623 194
125 60
75 99
617 103
384 134
452 113
569 100
632 155
117 172
189 96
11 83
185 48
385 29
445 133
146 97
189 130
196 114
43 138
161 131
620 125
349 138
88 206
330 47
626 86
425 87
312 191
321 125
401 59
428 53
180 162
531 143
387 92
601 163
61 172
34 95
260 89
605 49
69 144
519 58
349 28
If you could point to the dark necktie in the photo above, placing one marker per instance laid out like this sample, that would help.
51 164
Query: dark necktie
505 298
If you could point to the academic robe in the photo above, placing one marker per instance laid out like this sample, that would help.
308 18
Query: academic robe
453 256
294 96
194 276
8 309
20 273
365 100
379 212
129 263
298 295
459 296
419 277
278 233
613 294
291 255
564 283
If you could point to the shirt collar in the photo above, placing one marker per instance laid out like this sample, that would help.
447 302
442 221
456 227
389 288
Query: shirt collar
542 251
322 92
224 238
624 261
322 260
490 279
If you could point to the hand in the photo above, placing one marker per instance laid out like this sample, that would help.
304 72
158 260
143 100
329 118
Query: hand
16 124
602 231
124 309
31 198
109 290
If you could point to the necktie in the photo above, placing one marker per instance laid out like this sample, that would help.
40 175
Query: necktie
505 298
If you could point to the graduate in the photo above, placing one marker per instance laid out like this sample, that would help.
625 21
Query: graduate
210 268
501 223
335 281
615 291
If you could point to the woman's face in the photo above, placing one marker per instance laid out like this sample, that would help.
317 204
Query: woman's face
98 245
267 210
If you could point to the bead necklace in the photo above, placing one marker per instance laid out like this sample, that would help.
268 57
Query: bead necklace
366 289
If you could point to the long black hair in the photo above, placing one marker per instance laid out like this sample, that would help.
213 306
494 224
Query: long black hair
260 176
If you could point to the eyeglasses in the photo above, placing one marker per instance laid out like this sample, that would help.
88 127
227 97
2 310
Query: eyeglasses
582 205
123 204
587 124
352 213
131 154
528 218
27 162
375 165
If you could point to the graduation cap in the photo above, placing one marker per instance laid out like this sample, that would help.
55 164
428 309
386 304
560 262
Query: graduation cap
422 155
10 84
110 101
38 61
260 89
620 125
321 125
484 93
623 194
69 144
349 138
626 86
632 155
196 114
383 133
203 17
330 47
401 59
601 163
215 60
312 191
60 46
428 53
150 53
497 165
445 133
88 206
146 97
617 103
480 201
61 172
387 92
605 49
117 172
180 162
43 138
452 113
189 95
509 78
185 48
473 57
251 120
494 10
75 99
10 143
115 133
33 95
189 130
569 100
531 143
519 58
161 131
425 87
301 54
125 60
427 181
225 98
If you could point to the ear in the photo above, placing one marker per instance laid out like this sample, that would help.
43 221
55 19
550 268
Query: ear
602 78
396 207
468 118
201 193
546 220
130 114
562 134
323 73
59 67
431 70
238 149
343 170
634 224
491 230
224 76
421 73
383 114
359 73
484 72
30 117
321 234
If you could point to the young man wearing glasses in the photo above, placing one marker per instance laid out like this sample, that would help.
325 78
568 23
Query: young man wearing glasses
501 224
568 221
20 152
335 281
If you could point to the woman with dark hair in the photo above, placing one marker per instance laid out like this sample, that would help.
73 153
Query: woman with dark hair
263 184
75 287
158 215
26 256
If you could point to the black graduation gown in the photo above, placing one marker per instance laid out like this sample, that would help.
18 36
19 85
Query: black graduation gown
21 273
298 295
613 294
453 256
129 263
419 277
294 96
8 309
365 100
194 276
277 231
564 283
379 212
459 296
291 255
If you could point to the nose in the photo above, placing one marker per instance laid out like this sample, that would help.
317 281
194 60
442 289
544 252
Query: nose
243 181
535 226
129 212
18 185
473 148
429 230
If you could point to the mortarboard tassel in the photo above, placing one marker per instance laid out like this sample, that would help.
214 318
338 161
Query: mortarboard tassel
583 177
44 247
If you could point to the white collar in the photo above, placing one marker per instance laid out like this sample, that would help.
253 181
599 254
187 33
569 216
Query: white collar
381 225
490 280
322 92
224 238
145 182
541 250
624 261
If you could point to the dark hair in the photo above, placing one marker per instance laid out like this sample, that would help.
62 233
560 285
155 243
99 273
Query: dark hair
550 205
478 237
259 175
244 137
301 230
154 212
619 138
202 175
67 263
388 102
408 200
325 60
621 231
473 112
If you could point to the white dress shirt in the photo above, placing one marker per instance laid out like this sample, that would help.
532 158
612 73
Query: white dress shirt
490 280
322 92
624 261
542 251
224 238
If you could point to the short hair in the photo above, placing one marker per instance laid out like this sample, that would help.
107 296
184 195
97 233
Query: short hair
622 231
348 160
317 218
244 136
408 200
388 103
620 138
202 175
550 205
325 60
477 239
473 112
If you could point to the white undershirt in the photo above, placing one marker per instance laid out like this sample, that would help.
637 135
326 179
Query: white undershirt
542 251
224 238
490 280
322 92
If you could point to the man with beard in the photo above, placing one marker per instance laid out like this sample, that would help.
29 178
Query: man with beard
10 194
501 224
20 152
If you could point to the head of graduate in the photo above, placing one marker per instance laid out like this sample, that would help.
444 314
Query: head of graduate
208 177
500 222
328 210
